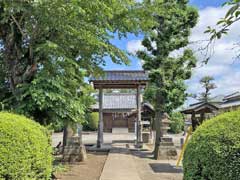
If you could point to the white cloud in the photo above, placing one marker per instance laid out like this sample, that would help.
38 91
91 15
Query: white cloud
221 65
135 45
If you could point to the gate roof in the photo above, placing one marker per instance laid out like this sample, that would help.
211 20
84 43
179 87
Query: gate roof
120 79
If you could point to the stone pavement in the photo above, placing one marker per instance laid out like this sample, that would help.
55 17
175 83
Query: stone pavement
124 163
119 165
150 169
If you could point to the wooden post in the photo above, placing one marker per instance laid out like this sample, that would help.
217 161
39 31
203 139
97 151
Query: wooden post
100 122
202 117
194 121
139 126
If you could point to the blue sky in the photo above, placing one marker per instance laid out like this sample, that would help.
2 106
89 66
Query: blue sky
206 3
222 66
135 64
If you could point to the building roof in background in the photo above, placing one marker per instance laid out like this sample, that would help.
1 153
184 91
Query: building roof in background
232 96
219 101
228 104
120 79
118 101
201 106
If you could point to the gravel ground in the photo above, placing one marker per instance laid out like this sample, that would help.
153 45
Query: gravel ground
91 169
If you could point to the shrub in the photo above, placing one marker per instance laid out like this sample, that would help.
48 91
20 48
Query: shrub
25 150
177 122
91 121
214 150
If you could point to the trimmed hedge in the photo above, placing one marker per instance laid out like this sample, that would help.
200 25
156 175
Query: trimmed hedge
25 150
214 150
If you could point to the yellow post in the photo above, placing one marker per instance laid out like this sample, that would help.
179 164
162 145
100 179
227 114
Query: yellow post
189 132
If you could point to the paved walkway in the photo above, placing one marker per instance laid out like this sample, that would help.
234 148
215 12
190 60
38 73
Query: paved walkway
125 164
120 165
150 169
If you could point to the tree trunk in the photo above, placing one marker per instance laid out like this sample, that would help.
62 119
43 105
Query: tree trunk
100 122
158 118
158 133
67 132
21 65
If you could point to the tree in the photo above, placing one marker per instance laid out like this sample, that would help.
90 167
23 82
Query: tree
48 47
177 122
232 16
208 85
58 38
167 74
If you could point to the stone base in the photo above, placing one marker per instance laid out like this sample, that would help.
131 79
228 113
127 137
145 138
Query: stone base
74 154
146 137
138 144
167 153
167 150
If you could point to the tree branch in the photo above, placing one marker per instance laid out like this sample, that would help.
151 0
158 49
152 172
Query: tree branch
19 27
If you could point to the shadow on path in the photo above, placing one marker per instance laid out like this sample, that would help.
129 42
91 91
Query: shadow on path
164 168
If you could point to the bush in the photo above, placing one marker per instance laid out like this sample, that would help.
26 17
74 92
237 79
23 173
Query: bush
91 121
177 122
25 150
214 149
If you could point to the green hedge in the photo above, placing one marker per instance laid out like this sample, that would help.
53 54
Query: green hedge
214 150
25 150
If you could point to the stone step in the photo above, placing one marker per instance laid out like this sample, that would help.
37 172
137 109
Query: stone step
167 139
166 144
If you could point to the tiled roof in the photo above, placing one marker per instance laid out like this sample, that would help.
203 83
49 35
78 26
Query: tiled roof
228 104
118 101
232 96
122 76
201 105
219 101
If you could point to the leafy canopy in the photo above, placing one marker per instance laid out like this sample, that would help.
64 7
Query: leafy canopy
167 73
48 47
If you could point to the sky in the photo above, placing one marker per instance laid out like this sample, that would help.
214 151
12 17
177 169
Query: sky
223 65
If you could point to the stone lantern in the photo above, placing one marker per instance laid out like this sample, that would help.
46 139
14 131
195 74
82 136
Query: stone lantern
167 150
75 151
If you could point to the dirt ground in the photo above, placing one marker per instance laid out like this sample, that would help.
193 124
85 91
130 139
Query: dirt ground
89 170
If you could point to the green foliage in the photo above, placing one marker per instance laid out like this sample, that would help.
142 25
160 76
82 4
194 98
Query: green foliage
214 149
224 24
232 16
91 121
208 85
167 74
49 47
177 122
25 151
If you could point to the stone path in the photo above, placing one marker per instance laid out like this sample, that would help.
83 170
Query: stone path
150 169
125 164
120 165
